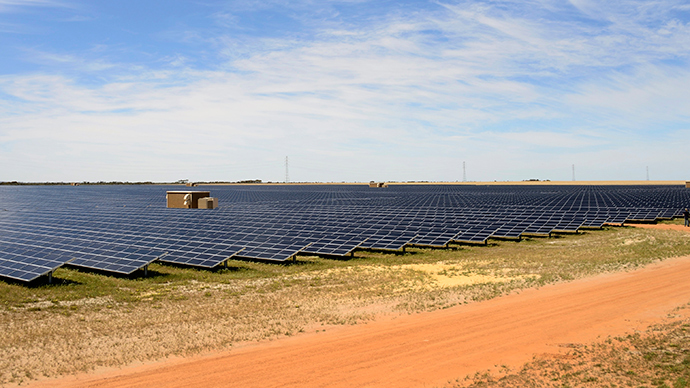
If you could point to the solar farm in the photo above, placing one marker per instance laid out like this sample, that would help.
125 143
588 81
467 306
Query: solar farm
122 229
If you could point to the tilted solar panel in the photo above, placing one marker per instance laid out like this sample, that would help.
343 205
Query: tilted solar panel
118 228
26 263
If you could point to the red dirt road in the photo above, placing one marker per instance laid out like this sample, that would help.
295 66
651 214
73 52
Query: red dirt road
429 349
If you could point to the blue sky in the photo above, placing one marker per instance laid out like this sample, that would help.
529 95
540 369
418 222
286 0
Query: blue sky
349 90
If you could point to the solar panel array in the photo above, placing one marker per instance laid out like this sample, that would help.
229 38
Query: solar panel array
123 228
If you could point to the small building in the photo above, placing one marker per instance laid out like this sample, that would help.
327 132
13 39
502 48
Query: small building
378 184
687 184
185 199
191 184
208 203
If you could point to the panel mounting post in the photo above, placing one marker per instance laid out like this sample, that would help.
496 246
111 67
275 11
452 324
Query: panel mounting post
146 270
50 277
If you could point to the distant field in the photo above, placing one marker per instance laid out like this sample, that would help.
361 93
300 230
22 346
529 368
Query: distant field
472 183
559 183
87 320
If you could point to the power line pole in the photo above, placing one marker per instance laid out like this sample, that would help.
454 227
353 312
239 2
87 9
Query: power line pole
287 176
573 173
647 172
464 172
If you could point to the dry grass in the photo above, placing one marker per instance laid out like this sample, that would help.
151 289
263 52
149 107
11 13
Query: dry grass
86 320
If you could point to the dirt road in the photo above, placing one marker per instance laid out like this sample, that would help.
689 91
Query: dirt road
429 349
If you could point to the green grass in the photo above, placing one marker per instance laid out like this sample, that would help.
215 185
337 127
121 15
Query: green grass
675 221
85 320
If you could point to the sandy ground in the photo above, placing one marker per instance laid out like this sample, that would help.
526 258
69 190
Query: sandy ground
429 349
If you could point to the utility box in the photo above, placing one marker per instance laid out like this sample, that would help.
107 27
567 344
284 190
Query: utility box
208 203
185 199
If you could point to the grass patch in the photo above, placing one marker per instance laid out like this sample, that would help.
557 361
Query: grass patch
675 221
86 320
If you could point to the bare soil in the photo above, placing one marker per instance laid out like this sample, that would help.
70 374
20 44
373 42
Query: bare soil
433 348
661 227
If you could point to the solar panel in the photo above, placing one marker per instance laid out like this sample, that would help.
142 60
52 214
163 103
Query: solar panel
476 234
26 263
209 258
338 245
273 249
120 259
389 240
435 239
123 228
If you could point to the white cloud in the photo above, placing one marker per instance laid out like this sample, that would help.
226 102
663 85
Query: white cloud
514 95
651 95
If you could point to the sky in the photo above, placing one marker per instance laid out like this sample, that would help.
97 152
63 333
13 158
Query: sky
350 90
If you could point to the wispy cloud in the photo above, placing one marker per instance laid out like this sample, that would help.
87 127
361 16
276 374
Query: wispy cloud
14 5
68 61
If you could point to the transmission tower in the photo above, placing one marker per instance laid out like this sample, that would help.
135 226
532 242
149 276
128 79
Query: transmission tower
573 173
464 172
287 176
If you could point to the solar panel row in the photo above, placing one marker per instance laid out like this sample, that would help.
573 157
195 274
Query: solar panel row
123 229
